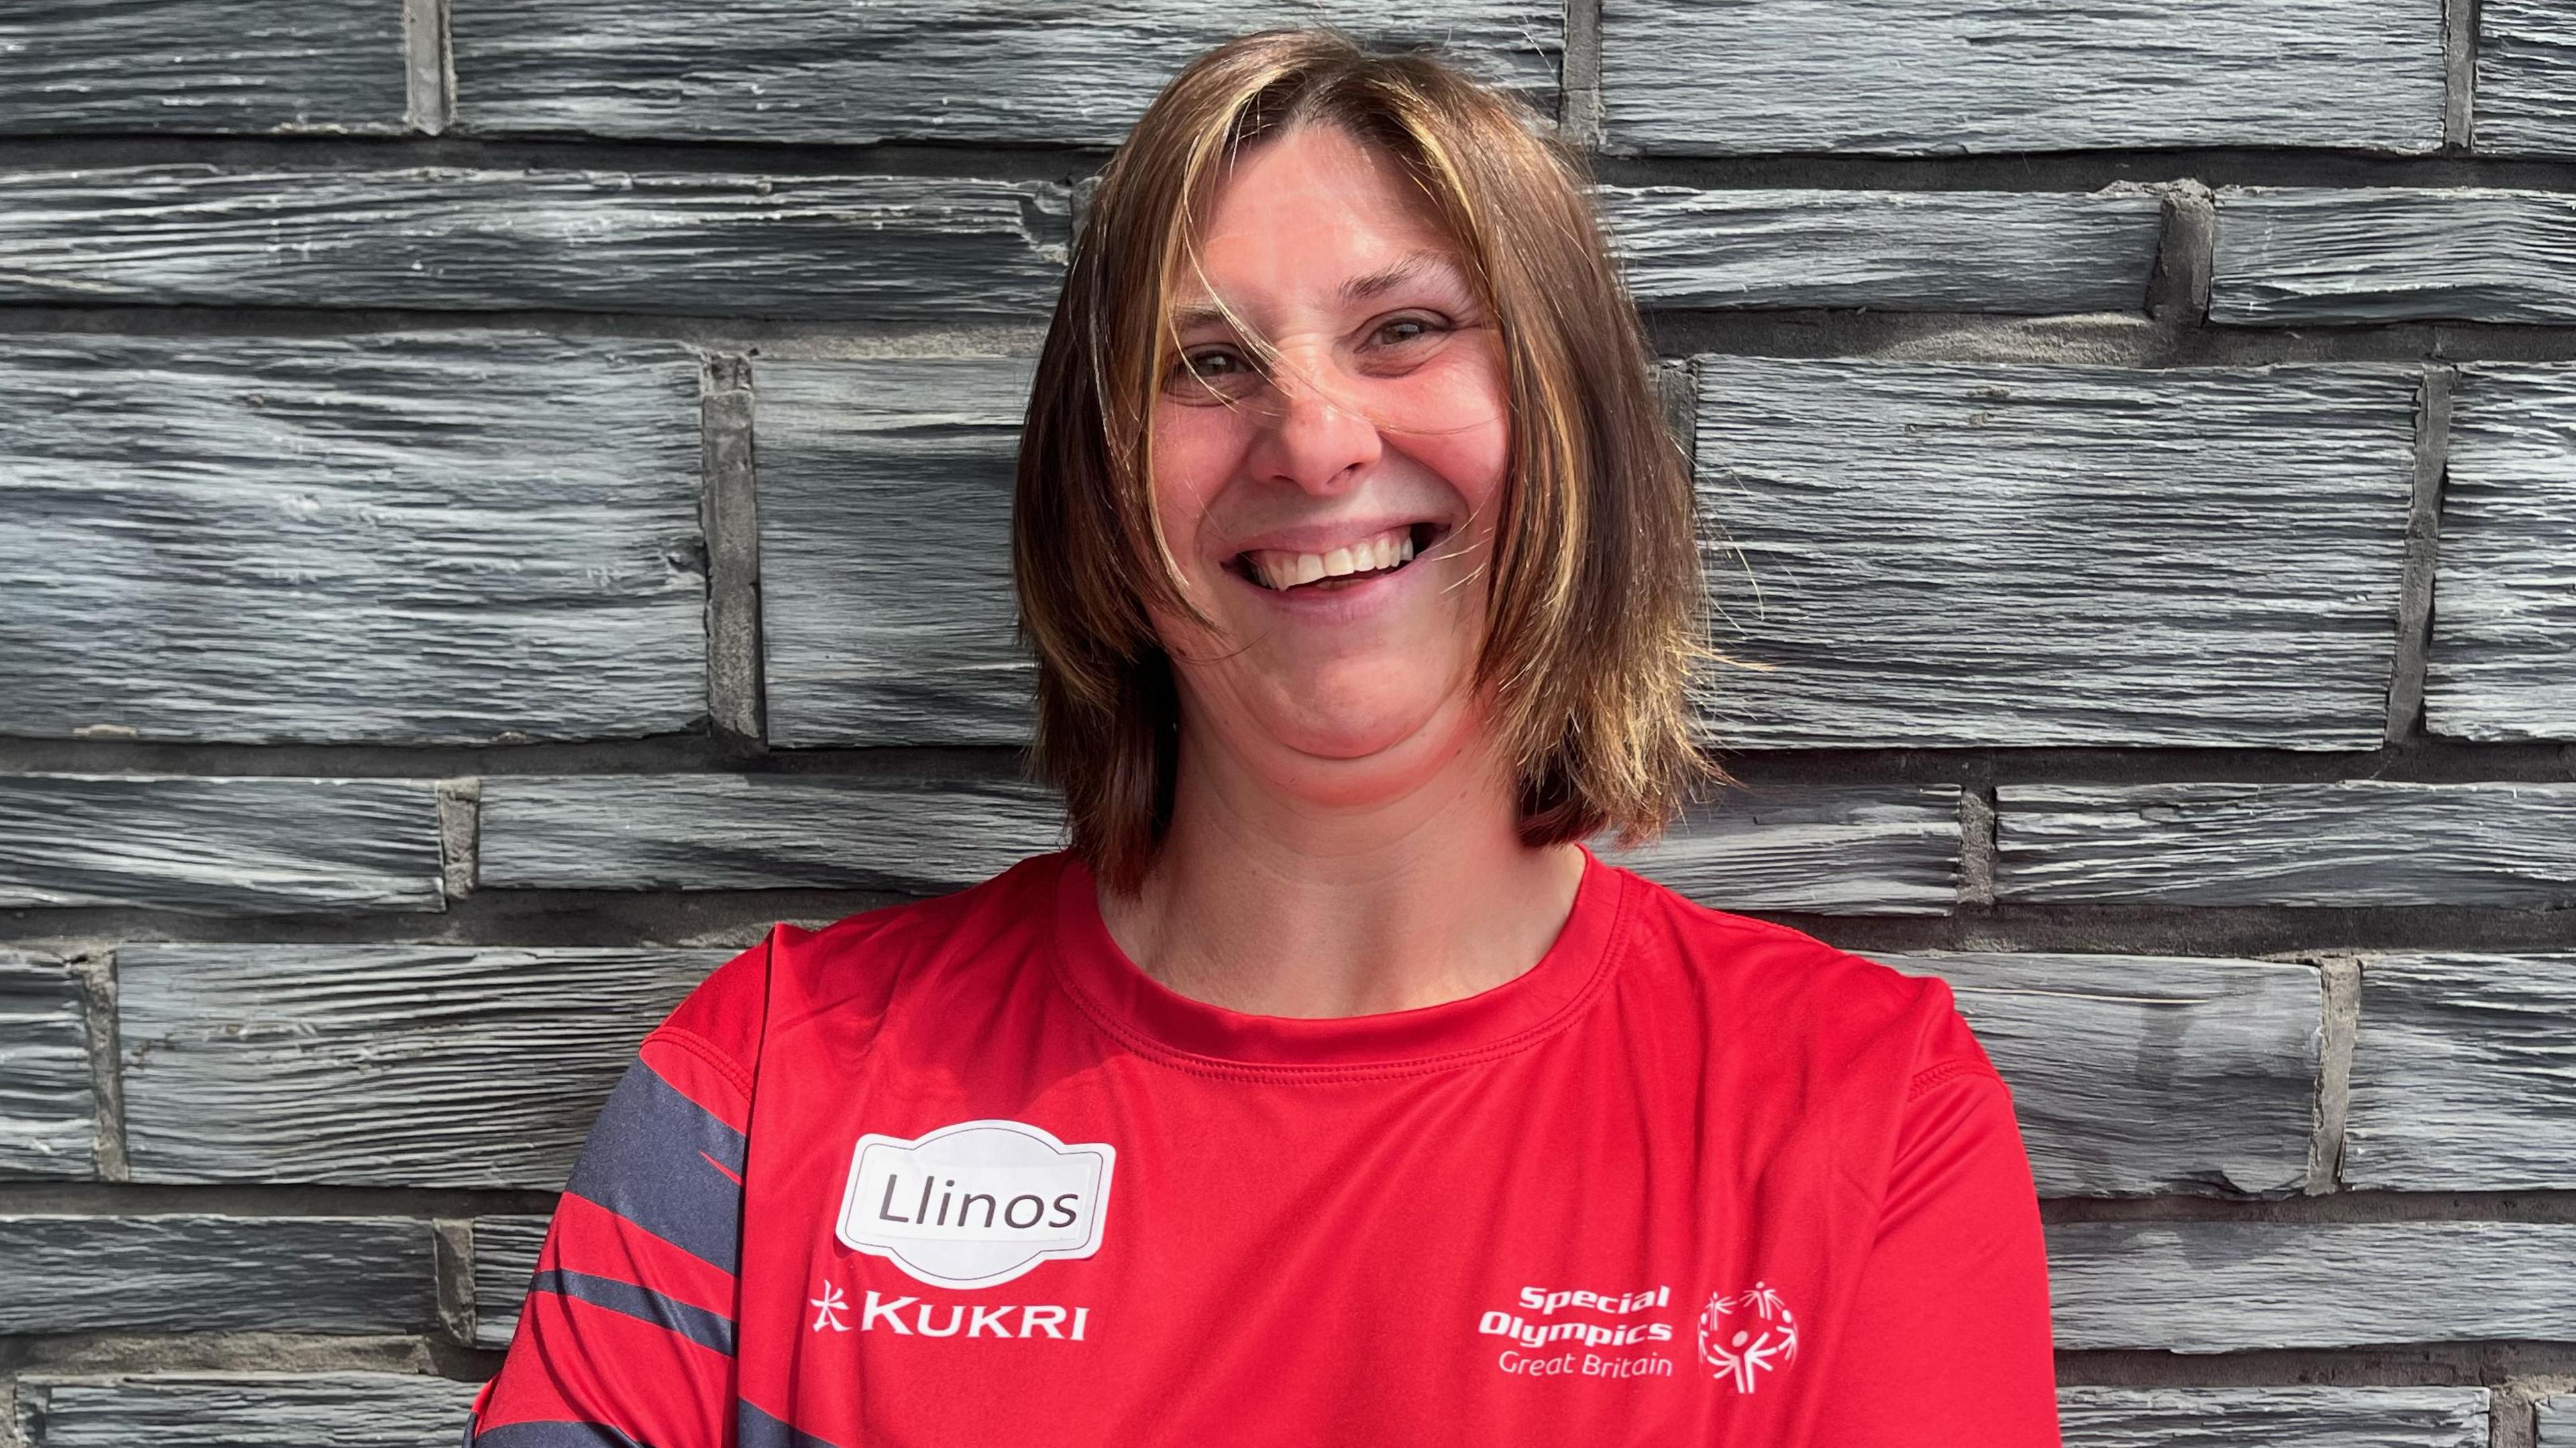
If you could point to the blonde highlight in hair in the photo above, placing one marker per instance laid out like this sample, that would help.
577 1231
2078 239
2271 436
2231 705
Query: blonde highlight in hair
1596 615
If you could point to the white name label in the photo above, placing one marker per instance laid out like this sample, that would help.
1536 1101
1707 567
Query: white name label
975 1204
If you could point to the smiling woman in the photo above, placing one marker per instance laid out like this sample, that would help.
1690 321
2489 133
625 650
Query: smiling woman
1322 296
1329 1087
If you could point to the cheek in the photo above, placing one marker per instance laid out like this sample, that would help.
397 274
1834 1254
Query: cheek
1196 449
1455 420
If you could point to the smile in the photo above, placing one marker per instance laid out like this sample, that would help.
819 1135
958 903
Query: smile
1374 556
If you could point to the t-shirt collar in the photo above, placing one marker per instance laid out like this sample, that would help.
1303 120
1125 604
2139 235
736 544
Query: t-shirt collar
1152 1017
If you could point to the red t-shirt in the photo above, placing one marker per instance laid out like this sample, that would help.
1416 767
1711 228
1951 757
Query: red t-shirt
957 1172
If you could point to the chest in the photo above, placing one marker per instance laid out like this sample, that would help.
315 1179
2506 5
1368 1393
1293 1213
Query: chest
1107 1255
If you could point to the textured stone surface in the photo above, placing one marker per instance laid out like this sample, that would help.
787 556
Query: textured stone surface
219 845
389 1065
505 1254
185 65
2236 1286
783 70
1713 77
2284 1417
216 1274
2464 1074
245 1410
2350 842
2557 1421
445 536
2526 87
1942 554
2135 1075
750 832
2293 256
46 1117
2504 599
887 611
1841 850
447 237
1932 251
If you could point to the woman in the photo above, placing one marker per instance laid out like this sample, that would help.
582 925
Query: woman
1329 1088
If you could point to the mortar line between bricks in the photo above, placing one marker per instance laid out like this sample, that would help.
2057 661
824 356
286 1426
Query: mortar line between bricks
730 518
2339 1026
2465 1365
1677 390
729 920
2111 339
96 971
2186 257
453 1238
2513 1417
2413 630
989 337
2426 760
54 1358
682 754
2459 75
2472 1364
429 71
460 816
424 1204
1979 849
1002 160
430 1205
1580 95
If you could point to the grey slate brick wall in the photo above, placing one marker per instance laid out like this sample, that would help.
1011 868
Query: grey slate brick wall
498 504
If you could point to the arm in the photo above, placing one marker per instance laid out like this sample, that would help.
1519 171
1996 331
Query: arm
627 1335
1948 1342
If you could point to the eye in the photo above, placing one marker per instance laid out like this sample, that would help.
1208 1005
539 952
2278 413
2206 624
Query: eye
1407 332
1205 370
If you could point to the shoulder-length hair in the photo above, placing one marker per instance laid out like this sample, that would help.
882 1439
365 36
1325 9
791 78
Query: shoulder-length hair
1597 611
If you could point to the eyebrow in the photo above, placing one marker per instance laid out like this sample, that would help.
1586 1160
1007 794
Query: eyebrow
1358 289
1388 278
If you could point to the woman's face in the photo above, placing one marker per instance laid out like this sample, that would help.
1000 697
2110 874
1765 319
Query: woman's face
1332 510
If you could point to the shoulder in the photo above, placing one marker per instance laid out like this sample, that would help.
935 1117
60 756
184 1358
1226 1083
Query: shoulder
1783 992
857 969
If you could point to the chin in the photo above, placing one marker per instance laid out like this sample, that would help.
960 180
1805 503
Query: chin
1350 732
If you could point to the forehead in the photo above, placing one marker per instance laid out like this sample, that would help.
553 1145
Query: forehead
1310 212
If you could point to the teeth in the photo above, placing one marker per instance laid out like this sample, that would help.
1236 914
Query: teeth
1288 570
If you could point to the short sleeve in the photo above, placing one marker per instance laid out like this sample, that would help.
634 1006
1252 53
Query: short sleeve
627 1332
1947 1344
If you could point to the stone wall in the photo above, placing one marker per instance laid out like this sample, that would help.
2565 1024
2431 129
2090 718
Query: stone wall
500 502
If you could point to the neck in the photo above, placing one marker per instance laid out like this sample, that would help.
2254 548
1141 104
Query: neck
1343 902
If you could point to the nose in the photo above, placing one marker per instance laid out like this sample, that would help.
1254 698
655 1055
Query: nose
1314 435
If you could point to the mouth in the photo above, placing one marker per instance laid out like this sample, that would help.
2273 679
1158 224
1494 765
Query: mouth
1375 556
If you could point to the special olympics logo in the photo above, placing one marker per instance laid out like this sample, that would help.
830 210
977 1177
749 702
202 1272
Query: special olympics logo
1751 1332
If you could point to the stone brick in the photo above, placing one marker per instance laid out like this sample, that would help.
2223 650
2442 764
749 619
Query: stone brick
1946 555
2349 842
198 1274
951 70
291 66
2504 600
697 243
384 537
1716 77
381 1065
47 1121
753 832
2301 256
250 845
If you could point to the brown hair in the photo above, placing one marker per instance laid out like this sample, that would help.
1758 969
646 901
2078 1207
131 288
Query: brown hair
1596 618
